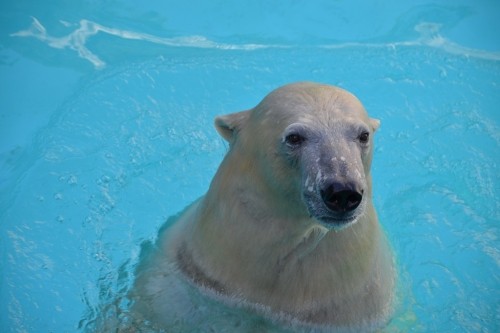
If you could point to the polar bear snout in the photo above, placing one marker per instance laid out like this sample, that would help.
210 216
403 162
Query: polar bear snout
336 202
341 198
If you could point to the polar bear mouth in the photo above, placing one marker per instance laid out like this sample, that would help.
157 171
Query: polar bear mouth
337 223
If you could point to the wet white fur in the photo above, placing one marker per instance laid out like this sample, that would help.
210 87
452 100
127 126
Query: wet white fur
252 244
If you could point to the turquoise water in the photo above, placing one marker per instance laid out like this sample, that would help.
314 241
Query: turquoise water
106 114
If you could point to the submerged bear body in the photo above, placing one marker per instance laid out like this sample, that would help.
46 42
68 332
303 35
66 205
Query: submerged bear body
287 233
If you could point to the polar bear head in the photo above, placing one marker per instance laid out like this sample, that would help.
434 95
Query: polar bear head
311 146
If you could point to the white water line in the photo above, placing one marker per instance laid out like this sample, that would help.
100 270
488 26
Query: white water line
77 39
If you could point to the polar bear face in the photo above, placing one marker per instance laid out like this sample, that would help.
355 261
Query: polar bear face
313 148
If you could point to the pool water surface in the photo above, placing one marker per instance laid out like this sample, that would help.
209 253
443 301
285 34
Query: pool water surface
106 130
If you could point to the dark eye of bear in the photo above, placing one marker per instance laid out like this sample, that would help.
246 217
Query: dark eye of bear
363 138
294 139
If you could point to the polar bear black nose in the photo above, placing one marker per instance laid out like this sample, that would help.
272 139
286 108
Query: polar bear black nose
339 198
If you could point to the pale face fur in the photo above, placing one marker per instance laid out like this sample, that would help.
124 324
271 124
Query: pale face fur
288 223
335 142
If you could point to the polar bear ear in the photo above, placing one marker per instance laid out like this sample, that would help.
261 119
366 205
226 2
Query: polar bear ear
374 123
230 124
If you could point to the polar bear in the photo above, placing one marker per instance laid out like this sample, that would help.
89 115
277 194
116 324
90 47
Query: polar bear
287 236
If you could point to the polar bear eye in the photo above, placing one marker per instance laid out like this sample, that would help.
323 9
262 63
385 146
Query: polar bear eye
363 137
294 139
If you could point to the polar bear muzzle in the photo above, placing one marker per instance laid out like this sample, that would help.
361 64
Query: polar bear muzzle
336 203
341 198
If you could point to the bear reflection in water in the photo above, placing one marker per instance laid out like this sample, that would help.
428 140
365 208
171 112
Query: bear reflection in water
286 238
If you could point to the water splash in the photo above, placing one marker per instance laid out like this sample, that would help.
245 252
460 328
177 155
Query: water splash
430 37
77 39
